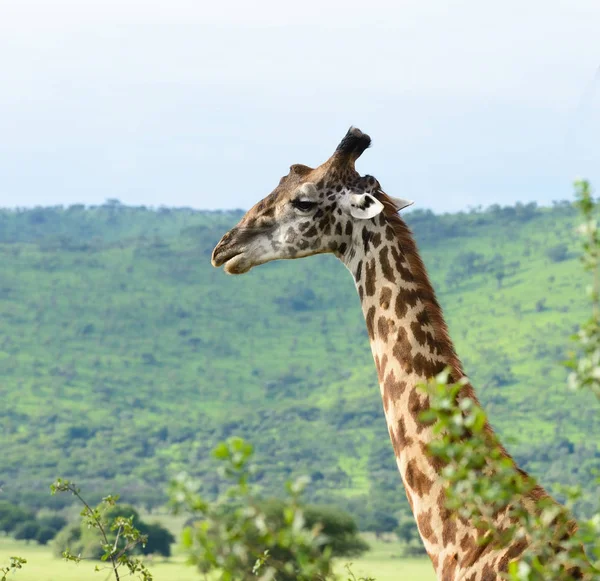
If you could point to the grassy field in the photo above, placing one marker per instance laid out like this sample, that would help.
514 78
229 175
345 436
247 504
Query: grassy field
379 563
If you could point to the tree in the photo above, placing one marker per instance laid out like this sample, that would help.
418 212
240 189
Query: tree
500 274
27 530
117 537
44 535
81 539
11 516
337 526
53 522
558 253
381 522
159 540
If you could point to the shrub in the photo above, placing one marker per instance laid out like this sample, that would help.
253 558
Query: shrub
44 535
80 539
558 253
239 537
11 516
26 530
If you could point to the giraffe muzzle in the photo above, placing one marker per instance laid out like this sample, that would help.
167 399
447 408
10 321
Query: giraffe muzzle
231 255
221 255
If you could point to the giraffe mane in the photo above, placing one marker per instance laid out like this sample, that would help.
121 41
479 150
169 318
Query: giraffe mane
409 249
408 245
426 291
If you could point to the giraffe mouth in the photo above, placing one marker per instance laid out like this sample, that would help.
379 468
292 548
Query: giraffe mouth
236 265
232 261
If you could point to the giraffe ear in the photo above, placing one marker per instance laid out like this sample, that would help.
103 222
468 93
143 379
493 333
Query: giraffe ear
400 203
364 206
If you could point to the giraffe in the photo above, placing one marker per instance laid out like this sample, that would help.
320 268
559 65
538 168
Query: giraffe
333 209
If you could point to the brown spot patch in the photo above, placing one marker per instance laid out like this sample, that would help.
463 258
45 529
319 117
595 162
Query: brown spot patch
404 299
512 553
402 350
392 387
386 267
425 528
449 568
403 438
488 574
370 318
426 367
416 479
383 328
402 266
385 297
366 236
449 529
415 406
434 561
370 278
400 440
376 240
358 272
423 336
473 551
467 543
436 463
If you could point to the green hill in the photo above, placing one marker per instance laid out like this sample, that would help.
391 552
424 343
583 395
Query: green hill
125 357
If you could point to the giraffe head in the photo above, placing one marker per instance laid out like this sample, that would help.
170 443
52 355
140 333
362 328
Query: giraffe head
311 211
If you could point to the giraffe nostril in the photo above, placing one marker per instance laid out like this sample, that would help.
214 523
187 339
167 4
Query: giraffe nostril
225 250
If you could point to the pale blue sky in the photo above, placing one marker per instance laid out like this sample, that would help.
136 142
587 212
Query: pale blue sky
206 104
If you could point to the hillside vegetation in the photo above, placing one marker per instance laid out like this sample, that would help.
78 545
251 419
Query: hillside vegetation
125 357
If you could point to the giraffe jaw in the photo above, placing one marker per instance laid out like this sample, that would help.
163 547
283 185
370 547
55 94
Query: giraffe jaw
232 262
237 265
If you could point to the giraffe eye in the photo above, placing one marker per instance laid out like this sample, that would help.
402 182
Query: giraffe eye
303 205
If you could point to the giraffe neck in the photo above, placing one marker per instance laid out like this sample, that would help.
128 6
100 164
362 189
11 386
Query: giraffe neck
410 344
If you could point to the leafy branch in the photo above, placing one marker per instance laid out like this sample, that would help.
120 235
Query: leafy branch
485 487
585 365
126 537
14 564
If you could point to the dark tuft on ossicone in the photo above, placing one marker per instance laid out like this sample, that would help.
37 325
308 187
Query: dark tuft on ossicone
354 143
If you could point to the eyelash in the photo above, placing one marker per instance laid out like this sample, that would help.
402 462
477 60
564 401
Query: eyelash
303 205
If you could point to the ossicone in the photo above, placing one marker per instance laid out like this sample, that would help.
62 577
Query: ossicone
353 144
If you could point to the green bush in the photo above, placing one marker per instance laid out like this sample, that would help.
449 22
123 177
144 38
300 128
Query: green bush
558 253
44 535
11 516
27 530
82 540
239 536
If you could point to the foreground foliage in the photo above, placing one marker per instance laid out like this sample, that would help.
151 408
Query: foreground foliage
483 483
116 535
240 537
